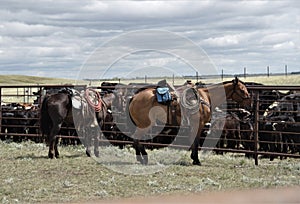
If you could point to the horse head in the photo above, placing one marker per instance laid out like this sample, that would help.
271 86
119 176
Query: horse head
240 93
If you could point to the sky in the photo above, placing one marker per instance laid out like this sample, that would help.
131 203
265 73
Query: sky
92 39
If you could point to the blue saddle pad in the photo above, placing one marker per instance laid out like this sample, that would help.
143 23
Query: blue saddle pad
163 95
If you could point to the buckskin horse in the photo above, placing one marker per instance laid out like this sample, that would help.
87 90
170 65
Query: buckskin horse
144 111
90 113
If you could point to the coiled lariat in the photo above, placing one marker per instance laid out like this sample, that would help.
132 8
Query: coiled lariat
98 103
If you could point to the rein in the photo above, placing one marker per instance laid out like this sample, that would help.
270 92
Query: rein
96 106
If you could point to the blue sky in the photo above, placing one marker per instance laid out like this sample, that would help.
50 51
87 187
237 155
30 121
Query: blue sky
56 38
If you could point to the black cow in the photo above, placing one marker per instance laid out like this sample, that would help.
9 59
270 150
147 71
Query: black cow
235 129
266 97
246 131
14 122
108 87
290 131
279 117
269 139
288 105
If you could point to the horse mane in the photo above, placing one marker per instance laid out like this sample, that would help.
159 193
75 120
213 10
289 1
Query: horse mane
231 81
225 82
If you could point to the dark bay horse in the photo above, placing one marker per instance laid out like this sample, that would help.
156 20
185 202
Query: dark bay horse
89 118
145 111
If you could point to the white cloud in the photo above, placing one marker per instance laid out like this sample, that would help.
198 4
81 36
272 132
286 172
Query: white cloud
285 45
20 29
60 35
222 41
276 38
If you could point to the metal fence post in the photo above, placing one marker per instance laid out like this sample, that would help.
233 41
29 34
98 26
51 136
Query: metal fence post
0 110
256 126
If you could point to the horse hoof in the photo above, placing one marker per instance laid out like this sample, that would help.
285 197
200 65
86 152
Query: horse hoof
197 163
145 159
51 156
194 157
139 158
88 153
96 154
142 160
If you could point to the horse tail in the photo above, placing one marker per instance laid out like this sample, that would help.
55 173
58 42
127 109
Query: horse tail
45 120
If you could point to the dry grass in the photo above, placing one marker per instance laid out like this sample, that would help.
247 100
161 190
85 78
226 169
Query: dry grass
31 80
21 80
272 80
27 175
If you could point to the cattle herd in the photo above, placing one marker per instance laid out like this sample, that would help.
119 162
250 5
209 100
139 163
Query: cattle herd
270 127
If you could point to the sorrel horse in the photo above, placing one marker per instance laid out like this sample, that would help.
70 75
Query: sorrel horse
144 111
57 108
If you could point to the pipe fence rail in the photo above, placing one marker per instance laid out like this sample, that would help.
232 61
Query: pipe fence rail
277 136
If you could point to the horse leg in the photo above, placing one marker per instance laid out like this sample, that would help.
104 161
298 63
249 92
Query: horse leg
144 155
88 152
137 151
194 154
53 151
90 134
140 151
55 148
96 143
87 141
141 154
220 143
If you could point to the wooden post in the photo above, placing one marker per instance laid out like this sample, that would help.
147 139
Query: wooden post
245 72
268 71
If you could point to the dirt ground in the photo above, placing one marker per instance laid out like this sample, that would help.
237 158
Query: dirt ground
269 196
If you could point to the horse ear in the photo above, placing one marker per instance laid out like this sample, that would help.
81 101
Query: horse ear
236 80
